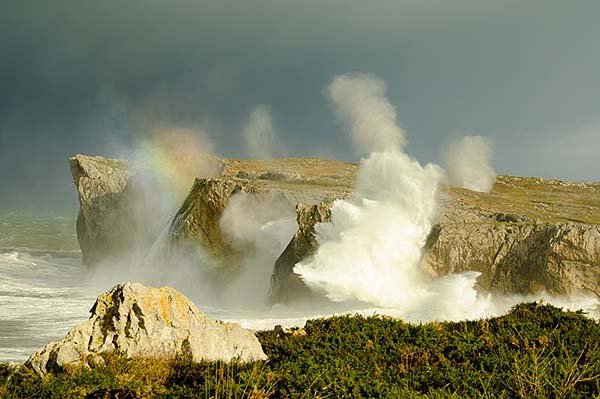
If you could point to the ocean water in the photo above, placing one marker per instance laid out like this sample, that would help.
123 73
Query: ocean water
45 290
40 273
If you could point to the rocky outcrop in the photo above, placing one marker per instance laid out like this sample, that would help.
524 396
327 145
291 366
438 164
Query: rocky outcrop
139 321
104 192
198 223
513 253
286 286
526 235
119 214
525 258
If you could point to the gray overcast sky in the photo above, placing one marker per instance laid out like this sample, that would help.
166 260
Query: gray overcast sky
92 77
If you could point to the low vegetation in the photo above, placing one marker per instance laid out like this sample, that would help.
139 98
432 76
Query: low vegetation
550 201
535 351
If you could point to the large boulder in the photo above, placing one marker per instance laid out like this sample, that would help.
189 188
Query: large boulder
138 321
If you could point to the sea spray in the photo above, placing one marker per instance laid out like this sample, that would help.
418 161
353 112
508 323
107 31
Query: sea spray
468 163
257 227
372 250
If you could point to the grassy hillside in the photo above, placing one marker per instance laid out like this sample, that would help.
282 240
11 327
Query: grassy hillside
535 351
541 199
544 200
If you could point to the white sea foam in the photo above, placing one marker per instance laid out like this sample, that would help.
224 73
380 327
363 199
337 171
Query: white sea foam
41 298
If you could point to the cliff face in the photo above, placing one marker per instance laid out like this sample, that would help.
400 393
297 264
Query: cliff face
526 235
286 286
119 213
519 258
105 194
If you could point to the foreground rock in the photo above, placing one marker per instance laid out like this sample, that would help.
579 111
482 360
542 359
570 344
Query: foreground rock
139 321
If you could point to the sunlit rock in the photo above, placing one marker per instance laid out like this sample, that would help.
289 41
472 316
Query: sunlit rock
138 321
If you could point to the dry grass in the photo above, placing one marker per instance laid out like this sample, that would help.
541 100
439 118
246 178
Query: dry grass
544 200
540 199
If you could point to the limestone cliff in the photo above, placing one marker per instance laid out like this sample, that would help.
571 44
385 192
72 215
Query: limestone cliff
561 258
197 225
286 286
139 321
526 235
105 194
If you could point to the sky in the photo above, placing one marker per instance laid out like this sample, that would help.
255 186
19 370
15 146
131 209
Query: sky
98 77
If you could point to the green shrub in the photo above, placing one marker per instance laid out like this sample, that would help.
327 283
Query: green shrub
535 351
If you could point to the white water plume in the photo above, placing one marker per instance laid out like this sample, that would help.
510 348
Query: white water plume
260 136
372 250
468 163
359 102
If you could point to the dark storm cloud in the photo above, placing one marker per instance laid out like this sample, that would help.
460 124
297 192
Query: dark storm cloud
92 77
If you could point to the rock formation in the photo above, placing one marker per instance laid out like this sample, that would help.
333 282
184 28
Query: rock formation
139 321
196 231
102 185
562 258
286 286
540 248
526 235
118 213
118 216
198 221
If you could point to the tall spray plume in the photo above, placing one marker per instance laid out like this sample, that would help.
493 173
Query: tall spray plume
359 102
468 163
259 134
371 252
